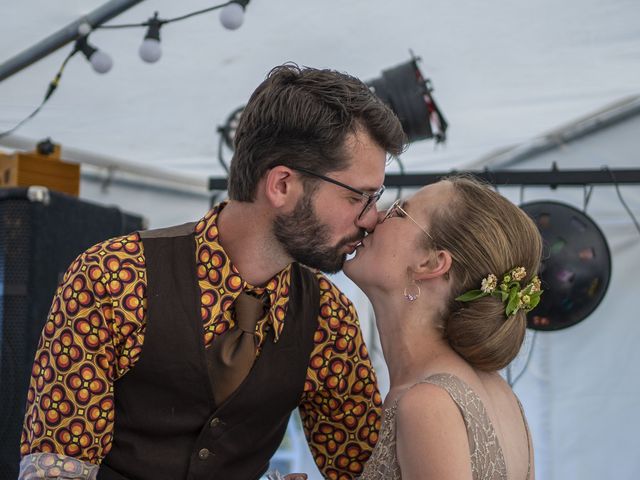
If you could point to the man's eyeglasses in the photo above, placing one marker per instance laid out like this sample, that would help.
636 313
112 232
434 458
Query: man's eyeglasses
370 199
396 210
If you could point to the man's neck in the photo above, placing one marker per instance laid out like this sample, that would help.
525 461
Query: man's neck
244 232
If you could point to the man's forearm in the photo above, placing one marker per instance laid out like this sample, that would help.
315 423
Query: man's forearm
55 466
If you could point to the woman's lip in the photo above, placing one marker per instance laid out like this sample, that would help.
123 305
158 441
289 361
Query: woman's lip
352 246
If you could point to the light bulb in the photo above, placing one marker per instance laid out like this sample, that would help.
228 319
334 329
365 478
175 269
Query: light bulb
150 50
232 16
101 62
84 29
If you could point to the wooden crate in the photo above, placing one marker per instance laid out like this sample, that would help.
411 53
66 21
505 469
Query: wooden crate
23 169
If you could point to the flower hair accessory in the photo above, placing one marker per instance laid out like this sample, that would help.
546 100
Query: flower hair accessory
509 291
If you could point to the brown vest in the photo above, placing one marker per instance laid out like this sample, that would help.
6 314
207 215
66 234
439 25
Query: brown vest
167 425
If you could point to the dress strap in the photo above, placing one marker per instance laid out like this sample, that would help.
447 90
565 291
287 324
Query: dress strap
526 428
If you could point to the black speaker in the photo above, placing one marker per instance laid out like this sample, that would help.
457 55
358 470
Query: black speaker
41 232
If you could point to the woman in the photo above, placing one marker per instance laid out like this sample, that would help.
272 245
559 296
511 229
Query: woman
434 270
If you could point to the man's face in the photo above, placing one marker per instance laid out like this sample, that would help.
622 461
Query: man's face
325 224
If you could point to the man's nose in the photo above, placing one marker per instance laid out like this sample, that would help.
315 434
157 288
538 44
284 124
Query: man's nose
369 219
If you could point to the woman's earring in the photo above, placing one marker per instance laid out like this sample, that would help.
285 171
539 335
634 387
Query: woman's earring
412 292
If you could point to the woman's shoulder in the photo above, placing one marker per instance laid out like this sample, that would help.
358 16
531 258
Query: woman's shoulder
430 429
428 406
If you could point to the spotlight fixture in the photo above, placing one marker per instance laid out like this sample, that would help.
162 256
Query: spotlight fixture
100 61
408 93
228 130
150 50
232 15
575 269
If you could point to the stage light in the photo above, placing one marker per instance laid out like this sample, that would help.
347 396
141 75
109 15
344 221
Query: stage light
232 15
408 93
575 269
150 50
100 61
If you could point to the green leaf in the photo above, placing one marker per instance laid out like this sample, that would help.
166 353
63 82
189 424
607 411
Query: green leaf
470 295
513 301
535 295
534 302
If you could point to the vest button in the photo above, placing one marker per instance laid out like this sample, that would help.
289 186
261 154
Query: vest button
204 453
215 421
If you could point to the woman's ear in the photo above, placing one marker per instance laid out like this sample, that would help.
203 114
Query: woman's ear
281 188
436 264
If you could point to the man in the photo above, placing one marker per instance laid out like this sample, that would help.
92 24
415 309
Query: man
180 352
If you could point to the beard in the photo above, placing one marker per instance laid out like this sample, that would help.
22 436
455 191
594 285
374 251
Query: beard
306 239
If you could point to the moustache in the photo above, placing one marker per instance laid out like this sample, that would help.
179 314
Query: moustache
355 238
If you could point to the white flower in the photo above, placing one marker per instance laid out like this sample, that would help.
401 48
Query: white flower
535 284
489 283
519 273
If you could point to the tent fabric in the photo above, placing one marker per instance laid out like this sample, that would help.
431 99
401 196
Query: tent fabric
504 74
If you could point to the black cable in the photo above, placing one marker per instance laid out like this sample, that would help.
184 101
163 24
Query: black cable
124 25
168 20
587 196
52 88
220 156
526 363
624 204
401 166
199 12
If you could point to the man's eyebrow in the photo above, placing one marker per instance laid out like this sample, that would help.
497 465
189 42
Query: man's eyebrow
371 189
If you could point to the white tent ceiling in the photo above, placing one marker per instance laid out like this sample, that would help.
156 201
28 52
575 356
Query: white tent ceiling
503 71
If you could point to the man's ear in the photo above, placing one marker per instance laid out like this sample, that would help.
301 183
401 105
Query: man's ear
436 264
281 187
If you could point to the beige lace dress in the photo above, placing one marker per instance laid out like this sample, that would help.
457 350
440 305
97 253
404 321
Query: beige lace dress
487 459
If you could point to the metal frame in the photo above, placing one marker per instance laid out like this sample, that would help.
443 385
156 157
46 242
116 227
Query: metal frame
552 178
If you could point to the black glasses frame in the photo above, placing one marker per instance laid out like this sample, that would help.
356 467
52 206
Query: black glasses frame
370 198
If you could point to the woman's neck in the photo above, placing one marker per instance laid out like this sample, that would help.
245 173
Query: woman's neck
411 342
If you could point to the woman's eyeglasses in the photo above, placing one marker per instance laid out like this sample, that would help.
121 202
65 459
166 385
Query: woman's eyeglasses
396 210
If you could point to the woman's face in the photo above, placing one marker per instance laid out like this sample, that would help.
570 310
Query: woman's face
386 256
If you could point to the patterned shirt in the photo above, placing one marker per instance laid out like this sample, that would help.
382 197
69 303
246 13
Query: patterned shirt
95 332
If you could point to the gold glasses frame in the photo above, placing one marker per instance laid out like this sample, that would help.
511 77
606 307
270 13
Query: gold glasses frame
397 207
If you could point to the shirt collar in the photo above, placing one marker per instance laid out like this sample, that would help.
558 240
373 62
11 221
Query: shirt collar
216 270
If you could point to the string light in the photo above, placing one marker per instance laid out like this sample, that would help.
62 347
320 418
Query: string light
150 51
100 61
231 17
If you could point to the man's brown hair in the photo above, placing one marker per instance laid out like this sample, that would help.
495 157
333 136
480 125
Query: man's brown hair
300 117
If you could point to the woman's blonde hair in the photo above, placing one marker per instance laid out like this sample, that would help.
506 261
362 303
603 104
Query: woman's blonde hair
484 233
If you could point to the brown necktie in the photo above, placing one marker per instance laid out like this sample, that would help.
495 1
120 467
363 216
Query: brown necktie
233 353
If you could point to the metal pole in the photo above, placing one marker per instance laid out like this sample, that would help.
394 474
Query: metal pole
552 178
63 36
